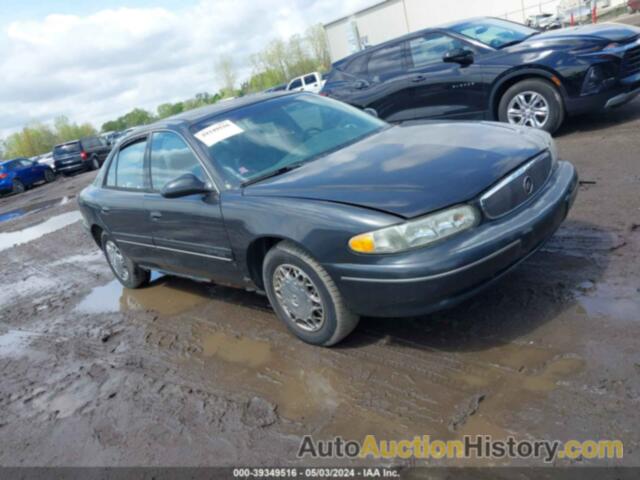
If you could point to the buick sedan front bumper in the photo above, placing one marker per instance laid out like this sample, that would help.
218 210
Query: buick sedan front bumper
429 279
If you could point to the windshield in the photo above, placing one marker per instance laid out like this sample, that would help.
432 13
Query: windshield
280 133
494 32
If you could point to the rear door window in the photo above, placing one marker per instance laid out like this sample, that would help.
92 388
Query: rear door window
127 169
309 79
387 62
171 158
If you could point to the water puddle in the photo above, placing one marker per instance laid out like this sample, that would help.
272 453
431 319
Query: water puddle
617 302
299 392
15 342
11 239
166 295
33 208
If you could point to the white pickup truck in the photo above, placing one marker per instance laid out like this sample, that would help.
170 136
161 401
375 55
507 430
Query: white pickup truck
310 82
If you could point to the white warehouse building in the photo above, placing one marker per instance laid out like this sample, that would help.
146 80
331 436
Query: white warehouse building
388 19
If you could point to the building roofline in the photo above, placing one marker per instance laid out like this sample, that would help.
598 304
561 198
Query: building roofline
362 10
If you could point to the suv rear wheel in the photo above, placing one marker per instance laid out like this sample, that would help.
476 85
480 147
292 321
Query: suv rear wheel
305 297
94 163
533 103
126 271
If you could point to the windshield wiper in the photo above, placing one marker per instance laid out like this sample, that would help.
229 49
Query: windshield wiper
273 173
515 42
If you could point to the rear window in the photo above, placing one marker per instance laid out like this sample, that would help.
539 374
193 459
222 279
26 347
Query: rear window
72 147
91 142
358 66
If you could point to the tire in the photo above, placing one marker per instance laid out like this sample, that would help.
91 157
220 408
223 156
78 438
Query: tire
18 187
94 163
524 92
49 176
135 276
287 260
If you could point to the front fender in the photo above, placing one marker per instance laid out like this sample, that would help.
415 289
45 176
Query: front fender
322 228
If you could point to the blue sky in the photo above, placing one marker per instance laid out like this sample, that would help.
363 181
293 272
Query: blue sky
96 60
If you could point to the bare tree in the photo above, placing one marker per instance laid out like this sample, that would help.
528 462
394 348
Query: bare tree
316 37
227 74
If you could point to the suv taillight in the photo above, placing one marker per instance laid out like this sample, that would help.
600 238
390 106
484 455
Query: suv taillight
83 155
3 175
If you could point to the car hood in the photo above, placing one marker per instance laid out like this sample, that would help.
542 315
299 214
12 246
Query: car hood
411 170
611 32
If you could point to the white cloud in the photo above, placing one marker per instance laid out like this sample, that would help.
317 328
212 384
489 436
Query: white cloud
99 66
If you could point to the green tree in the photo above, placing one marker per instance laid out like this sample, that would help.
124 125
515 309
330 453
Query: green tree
168 109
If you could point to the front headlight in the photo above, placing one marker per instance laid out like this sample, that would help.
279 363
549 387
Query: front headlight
416 233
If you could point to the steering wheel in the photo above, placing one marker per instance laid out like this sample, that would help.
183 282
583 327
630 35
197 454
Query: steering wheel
495 43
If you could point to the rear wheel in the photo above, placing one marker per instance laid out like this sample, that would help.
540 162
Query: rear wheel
94 163
49 176
18 186
126 271
305 297
532 103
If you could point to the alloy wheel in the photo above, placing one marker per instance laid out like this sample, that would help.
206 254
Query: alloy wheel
117 260
299 297
528 108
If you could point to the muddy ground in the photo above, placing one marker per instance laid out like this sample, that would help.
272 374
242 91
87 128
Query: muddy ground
185 373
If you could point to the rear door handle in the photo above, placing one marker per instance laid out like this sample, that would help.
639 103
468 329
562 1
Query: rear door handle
419 78
155 216
105 209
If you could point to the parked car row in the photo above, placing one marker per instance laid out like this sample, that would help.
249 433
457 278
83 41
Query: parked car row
493 69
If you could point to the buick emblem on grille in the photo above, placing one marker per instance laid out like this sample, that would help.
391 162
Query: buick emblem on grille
527 185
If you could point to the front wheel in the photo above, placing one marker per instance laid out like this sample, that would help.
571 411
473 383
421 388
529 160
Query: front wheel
126 271
305 297
532 103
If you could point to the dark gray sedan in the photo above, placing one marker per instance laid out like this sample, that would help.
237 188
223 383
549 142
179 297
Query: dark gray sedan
332 212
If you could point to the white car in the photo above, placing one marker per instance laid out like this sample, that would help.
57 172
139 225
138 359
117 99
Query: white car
311 82
46 159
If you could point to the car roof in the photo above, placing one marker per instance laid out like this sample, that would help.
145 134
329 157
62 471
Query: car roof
194 116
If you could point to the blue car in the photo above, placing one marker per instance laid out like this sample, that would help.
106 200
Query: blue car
21 173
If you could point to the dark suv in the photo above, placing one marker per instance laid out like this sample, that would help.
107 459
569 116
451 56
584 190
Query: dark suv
85 154
493 69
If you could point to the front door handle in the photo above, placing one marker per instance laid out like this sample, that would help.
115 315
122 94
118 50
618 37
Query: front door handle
105 209
155 216
418 78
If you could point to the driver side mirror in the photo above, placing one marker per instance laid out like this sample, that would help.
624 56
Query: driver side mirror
360 84
458 55
187 184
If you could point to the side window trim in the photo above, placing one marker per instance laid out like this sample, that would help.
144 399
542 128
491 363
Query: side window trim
114 162
188 144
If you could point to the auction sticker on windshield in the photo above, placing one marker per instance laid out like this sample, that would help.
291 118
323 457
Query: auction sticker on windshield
217 132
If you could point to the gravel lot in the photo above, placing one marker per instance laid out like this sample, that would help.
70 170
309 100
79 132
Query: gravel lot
184 373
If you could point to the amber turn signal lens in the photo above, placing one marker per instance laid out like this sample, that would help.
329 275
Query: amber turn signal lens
362 243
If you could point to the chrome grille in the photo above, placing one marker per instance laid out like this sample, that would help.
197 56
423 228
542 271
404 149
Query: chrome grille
631 62
517 187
